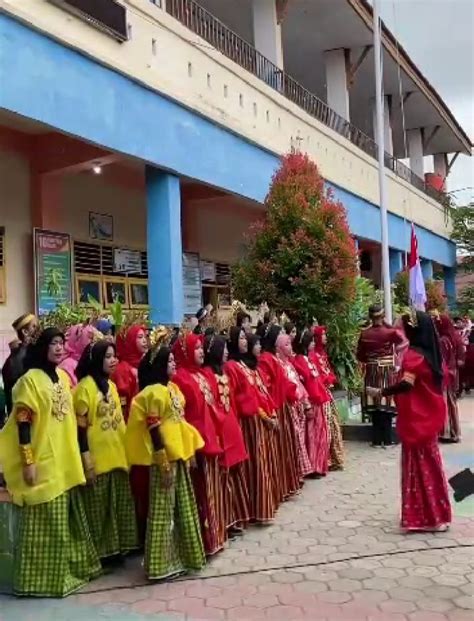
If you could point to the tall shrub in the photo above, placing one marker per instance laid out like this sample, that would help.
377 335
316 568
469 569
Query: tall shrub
300 258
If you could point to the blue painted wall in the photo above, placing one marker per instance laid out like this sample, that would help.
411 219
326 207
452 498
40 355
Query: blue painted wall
45 81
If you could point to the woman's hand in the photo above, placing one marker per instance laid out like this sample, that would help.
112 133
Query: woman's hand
30 475
89 470
373 392
167 476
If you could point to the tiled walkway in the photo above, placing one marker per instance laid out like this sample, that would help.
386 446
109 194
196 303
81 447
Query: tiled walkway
334 553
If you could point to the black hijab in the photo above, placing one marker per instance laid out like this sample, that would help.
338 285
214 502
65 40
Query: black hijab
37 354
214 346
153 368
269 339
233 343
302 341
424 339
92 363
249 359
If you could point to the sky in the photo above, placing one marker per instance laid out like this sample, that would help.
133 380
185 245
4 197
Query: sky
439 37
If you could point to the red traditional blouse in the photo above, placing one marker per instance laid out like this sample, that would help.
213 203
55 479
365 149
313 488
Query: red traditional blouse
311 379
126 380
421 410
281 389
230 431
248 390
201 409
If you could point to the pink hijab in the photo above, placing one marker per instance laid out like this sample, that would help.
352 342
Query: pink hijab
78 337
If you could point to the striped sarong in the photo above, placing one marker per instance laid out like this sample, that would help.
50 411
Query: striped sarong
337 444
318 441
55 554
258 468
206 477
173 543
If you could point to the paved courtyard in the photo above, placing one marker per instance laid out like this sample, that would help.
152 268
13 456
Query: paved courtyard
334 553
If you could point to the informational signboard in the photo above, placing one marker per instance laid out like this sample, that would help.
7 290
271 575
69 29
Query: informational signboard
191 283
208 271
127 261
53 269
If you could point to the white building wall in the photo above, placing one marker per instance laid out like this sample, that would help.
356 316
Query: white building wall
178 65
15 217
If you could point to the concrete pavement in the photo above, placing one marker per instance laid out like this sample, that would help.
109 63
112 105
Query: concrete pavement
334 553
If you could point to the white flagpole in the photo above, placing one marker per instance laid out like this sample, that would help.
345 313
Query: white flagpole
381 157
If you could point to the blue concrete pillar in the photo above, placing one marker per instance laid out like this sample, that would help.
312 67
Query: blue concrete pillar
450 285
164 247
396 262
427 269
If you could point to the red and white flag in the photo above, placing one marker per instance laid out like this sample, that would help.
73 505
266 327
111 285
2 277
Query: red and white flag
417 284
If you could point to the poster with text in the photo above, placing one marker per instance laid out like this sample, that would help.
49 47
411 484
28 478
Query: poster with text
53 269
192 287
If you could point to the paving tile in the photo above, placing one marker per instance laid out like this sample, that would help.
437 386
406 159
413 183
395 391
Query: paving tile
397 605
149 606
436 605
345 584
335 597
465 601
405 593
225 600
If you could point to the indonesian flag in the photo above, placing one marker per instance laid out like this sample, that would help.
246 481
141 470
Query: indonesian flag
417 284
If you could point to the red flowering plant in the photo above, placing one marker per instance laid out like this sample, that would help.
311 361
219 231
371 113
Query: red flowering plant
301 258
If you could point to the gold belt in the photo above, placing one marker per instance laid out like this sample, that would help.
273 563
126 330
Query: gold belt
386 361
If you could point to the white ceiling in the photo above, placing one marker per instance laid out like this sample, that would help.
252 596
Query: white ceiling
313 26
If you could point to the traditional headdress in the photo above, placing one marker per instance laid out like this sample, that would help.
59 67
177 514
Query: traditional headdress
160 337
23 321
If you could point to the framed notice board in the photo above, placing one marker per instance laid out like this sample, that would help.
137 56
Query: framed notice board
53 269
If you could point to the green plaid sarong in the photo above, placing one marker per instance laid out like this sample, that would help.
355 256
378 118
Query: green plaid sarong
55 554
111 514
173 542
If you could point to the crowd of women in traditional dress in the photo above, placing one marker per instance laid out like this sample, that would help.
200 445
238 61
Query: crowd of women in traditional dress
171 441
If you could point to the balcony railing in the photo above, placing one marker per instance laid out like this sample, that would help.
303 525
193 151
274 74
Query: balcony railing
200 21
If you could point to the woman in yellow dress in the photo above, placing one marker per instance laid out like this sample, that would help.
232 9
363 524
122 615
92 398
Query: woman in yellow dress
159 436
101 431
42 467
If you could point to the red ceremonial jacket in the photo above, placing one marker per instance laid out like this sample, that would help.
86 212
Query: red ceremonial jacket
201 410
311 379
281 389
421 410
232 440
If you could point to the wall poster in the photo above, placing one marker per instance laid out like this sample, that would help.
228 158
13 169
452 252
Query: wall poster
53 269
192 287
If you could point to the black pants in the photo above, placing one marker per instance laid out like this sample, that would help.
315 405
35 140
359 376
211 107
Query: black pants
381 428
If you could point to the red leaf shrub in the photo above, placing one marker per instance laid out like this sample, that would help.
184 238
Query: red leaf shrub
301 258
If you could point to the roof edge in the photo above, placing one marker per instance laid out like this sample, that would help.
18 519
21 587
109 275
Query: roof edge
392 45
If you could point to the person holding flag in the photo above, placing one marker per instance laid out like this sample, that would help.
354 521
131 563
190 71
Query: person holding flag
417 291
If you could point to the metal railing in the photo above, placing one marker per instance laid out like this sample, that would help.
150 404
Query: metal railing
204 24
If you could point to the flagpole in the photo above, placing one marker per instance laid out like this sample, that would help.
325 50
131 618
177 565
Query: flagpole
381 157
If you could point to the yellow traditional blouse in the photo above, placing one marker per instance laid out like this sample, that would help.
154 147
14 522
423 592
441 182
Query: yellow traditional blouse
53 439
161 406
105 425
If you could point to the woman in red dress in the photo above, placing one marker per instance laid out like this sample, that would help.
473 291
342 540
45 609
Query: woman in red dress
317 431
232 460
257 416
321 360
132 345
300 406
282 393
451 431
202 411
421 414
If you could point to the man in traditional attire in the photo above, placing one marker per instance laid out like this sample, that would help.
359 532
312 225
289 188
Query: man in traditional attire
378 345
26 328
